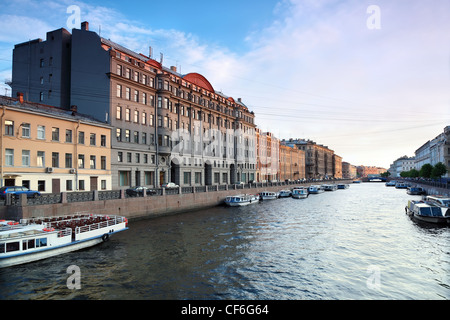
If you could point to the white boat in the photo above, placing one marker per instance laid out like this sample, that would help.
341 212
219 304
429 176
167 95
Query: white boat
268 195
343 186
40 238
391 183
300 193
285 193
401 185
439 201
426 211
315 189
329 187
241 200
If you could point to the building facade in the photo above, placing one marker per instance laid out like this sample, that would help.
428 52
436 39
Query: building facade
292 163
434 151
166 127
268 157
53 150
348 171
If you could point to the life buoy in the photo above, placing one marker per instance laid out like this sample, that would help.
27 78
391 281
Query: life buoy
105 237
13 223
48 229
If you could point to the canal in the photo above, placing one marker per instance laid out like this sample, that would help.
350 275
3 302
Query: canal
347 244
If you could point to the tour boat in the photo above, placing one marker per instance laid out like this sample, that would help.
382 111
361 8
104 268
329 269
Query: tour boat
315 189
401 185
416 191
391 183
268 195
426 211
285 193
39 238
329 187
241 200
300 193
343 186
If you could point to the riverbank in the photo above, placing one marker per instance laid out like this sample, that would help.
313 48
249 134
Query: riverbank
141 207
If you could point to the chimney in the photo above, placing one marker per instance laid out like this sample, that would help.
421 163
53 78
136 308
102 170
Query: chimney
173 68
20 96
74 109
85 26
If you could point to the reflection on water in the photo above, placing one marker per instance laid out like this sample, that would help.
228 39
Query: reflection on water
347 244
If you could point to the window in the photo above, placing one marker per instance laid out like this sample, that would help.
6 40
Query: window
138 157
119 69
127 135
103 184
55 159
129 157
136 137
119 134
144 98
25 130
81 161
55 134
68 185
41 96
92 162
41 63
159 121
144 138
128 73
144 118
136 96
92 139
120 156
68 160
41 132
118 112
187 178
9 128
41 159
81 185
69 135
198 177
127 93
124 178
127 114
136 116
103 140
119 91
103 162
81 137
26 158
152 120
9 157
136 76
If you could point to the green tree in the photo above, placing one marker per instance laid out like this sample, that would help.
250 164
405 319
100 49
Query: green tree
385 174
413 173
425 171
438 170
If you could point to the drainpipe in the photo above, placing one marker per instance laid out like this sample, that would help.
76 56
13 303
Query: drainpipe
76 155
1 146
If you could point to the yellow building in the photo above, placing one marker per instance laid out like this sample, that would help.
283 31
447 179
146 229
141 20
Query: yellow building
52 150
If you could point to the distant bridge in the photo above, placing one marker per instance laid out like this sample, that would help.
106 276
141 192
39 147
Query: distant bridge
375 178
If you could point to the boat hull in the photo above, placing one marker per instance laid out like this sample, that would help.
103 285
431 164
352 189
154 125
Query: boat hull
22 258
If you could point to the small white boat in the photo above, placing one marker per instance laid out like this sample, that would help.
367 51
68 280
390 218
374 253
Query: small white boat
343 186
427 212
401 185
315 189
268 195
391 183
285 193
329 187
241 200
39 238
439 201
300 193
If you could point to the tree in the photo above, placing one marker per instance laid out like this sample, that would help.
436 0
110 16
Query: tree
438 170
413 173
425 171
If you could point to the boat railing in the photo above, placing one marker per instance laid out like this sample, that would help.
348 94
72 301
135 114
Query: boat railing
110 221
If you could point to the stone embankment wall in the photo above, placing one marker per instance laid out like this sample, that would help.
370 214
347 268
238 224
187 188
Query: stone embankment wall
135 207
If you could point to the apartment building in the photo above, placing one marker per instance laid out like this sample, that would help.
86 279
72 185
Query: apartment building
166 127
52 150
268 157
434 151
292 163
320 162
348 171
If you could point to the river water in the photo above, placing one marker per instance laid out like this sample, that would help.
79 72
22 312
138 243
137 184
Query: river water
347 244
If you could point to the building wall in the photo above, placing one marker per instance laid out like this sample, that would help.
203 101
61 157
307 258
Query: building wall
42 162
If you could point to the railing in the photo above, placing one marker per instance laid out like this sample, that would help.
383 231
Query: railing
111 221
69 197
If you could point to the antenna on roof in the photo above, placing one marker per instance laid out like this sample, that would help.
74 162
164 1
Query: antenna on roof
161 57
150 52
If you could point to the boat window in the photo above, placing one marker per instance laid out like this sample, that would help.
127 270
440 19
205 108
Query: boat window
2 248
12 246
41 242
28 244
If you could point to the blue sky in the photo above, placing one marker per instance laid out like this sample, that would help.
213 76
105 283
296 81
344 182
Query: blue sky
311 69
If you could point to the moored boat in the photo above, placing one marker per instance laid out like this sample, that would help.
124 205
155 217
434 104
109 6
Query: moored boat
391 183
439 201
39 238
416 191
300 193
401 185
285 193
241 200
268 195
329 187
315 189
343 186
427 212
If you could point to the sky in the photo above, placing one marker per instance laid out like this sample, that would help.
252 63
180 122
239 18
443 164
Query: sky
368 79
